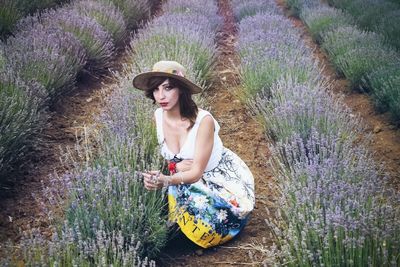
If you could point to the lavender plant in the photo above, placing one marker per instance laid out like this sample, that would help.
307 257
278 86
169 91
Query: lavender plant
2 57
167 38
70 250
34 6
242 9
379 16
384 84
107 15
335 206
111 201
387 26
268 52
335 209
196 10
357 63
343 39
290 107
20 117
296 6
49 56
133 11
127 141
321 19
9 15
368 12
96 41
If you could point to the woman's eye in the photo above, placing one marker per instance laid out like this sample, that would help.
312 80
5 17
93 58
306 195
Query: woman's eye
168 88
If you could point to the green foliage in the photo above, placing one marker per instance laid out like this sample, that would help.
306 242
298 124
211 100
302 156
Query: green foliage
322 19
384 84
107 15
197 58
134 11
368 13
32 6
19 119
342 40
388 26
357 63
9 15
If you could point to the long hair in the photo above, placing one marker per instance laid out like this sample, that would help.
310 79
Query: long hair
187 106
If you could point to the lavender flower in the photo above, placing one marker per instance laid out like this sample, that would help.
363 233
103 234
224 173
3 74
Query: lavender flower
386 25
289 107
333 197
242 9
195 9
384 83
47 55
107 15
296 6
171 37
134 11
369 12
323 18
334 206
357 63
97 42
65 249
270 50
20 117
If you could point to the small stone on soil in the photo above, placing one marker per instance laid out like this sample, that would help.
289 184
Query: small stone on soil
199 252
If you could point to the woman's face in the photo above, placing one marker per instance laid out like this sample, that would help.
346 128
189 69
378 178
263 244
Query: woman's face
166 95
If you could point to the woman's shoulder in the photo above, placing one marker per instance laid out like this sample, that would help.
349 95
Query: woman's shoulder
202 113
210 120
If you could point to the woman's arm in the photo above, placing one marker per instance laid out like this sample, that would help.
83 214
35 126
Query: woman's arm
203 148
202 153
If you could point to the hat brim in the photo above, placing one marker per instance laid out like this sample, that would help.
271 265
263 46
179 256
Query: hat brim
141 81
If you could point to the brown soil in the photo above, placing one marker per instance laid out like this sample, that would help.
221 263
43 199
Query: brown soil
240 133
385 143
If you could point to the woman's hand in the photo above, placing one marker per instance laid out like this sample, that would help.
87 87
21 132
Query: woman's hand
184 165
153 180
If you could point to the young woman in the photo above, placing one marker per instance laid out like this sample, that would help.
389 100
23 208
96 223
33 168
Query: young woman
210 189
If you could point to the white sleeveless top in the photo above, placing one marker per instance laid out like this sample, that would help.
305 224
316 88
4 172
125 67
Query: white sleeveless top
188 149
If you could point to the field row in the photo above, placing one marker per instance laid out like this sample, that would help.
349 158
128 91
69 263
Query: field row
334 207
361 40
109 218
42 60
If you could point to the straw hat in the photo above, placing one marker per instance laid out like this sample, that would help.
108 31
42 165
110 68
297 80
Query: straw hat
168 69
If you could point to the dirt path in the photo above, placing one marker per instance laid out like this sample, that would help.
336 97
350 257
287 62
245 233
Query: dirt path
240 133
385 136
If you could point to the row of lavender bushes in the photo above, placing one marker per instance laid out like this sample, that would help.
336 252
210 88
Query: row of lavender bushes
43 59
13 10
334 207
380 16
110 219
363 57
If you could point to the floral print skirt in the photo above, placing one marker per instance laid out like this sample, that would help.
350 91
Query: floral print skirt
214 209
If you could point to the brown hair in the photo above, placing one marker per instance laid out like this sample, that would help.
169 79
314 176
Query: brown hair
188 107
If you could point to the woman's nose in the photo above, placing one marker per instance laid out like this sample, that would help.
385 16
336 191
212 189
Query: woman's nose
161 93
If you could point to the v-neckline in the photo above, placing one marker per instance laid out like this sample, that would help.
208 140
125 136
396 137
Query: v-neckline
163 135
